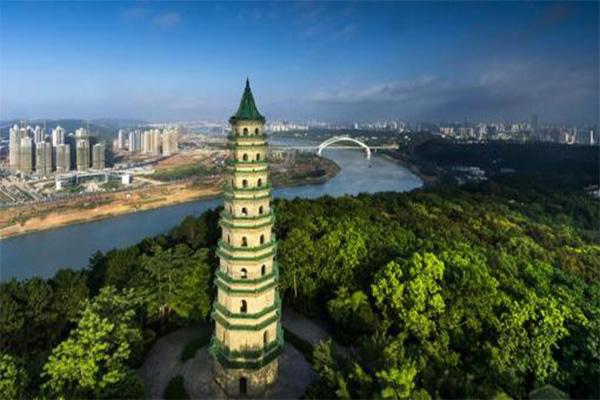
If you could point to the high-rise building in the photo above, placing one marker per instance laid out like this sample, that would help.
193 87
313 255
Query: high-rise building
43 159
175 140
63 158
155 142
535 133
26 156
98 156
247 338
146 137
14 148
121 139
166 142
170 141
81 133
58 136
135 144
151 142
83 154
39 134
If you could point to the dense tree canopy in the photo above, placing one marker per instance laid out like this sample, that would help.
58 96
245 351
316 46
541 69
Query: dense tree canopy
477 291
456 292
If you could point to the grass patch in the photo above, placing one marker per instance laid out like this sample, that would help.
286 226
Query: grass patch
182 172
304 346
192 347
175 389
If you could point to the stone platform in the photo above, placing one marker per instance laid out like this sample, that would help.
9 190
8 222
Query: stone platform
295 374
162 363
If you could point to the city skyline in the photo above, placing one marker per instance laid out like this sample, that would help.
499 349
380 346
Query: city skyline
432 61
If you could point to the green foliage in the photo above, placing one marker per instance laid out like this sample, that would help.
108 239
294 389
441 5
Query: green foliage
175 389
352 312
448 292
35 313
13 378
191 348
397 383
94 356
175 281
409 293
130 386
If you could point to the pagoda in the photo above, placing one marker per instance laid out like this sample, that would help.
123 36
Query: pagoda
247 312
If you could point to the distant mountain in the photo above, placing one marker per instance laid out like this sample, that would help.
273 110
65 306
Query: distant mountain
105 128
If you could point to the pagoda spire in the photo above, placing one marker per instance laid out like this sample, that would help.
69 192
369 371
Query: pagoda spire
247 110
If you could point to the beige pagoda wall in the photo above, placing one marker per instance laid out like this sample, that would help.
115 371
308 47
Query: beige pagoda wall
252 207
251 127
258 380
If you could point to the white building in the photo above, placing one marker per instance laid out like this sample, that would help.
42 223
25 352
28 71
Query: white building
83 154
39 135
63 158
14 148
58 136
135 144
98 156
43 159
26 155
121 140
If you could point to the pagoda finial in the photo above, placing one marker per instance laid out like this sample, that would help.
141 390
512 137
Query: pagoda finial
247 109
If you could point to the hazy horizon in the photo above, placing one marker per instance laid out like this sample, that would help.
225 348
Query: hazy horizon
322 61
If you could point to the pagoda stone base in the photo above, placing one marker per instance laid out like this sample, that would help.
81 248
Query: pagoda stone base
246 382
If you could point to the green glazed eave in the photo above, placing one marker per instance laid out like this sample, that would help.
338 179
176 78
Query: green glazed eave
247 110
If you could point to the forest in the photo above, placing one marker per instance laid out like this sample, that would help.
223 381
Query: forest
488 291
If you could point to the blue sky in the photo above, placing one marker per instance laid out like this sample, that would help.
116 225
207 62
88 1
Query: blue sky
306 60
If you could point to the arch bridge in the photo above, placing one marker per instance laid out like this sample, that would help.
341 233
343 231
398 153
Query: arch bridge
337 139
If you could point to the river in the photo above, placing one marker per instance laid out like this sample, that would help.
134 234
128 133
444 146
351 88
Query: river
43 253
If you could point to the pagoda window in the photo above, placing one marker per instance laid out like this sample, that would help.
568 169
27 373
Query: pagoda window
244 211
256 131
260 210
259 183
244 241
265 337
245 157
262 239
245 131
244 273
245 183
244 307
257 156
228 239
230 208
263 269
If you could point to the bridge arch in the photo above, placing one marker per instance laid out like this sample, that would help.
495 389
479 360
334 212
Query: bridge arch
336 139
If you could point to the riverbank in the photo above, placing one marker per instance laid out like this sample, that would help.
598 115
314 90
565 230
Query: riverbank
40 217
428 180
